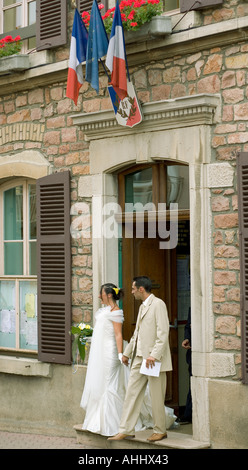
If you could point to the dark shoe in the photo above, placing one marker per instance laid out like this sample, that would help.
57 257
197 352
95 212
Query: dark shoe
183 421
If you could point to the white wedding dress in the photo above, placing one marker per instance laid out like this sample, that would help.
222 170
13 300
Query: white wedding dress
106 380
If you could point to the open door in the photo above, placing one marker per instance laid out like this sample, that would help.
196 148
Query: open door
142 255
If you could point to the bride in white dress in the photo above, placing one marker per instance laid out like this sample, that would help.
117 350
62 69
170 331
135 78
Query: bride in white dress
106 377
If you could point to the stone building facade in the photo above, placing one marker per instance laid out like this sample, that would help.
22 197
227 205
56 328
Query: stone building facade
192 86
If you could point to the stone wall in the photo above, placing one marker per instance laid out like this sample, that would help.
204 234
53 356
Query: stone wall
38 120
46 113
226 293
226 11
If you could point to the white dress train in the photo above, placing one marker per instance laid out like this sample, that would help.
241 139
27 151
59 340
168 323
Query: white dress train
106 381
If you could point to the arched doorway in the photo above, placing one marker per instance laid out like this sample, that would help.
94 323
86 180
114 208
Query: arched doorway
143 191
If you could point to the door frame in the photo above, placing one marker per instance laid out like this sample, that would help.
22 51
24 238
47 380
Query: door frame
161 136
130 258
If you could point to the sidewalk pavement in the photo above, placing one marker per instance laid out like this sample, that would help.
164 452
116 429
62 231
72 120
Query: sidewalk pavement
12 440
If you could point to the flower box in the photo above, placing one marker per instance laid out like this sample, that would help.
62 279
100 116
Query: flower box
14 63
159 26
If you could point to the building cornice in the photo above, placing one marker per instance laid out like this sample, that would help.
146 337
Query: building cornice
181 112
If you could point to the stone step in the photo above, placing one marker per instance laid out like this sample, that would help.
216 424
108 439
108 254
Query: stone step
175 440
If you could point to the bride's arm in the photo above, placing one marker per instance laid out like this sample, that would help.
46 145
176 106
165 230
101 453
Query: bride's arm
118 336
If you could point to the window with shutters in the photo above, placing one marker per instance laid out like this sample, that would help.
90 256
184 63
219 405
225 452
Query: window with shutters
54 268
18 277
172 6
16 16
242 176
41 24
85 5
35 267
51 23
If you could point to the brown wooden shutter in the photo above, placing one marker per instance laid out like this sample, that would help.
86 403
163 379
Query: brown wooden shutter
54 268
186 5
242 176
86 5
51 19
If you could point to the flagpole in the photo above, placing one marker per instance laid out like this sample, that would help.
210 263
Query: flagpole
126 58
105 70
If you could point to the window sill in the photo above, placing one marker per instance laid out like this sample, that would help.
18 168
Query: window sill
14 63
20 62
24 366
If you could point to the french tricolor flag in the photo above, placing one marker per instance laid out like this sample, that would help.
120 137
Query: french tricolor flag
116 56
79 39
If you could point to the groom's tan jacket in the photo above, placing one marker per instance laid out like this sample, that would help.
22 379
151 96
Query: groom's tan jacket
151 335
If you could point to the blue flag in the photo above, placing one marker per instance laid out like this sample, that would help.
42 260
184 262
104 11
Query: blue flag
97 46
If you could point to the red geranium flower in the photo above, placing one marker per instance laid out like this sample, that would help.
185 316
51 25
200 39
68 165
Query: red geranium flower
8 39
131 15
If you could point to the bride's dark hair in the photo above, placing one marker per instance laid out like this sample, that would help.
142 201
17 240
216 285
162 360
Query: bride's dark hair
110 289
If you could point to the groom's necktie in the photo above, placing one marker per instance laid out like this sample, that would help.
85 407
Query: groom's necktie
137 332
139 316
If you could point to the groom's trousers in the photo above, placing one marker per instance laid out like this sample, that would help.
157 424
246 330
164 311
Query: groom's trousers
135 395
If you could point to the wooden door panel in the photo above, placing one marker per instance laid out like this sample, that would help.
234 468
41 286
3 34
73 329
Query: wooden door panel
142 256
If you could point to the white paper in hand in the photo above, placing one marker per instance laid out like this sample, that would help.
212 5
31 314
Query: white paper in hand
152 371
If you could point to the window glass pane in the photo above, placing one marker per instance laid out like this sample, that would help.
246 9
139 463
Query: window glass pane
7 314
7 3
32 259
13 213
13 258
31 13
138 189
28 315
32 20
12 19
32 212
32 229
171 5
178 185
32 43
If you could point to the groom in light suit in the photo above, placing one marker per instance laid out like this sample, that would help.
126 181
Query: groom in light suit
150 341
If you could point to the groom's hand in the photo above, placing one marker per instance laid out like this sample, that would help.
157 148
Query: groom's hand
150 362
125 360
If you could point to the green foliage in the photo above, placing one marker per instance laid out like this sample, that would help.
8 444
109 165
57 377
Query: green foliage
10 46
81 333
